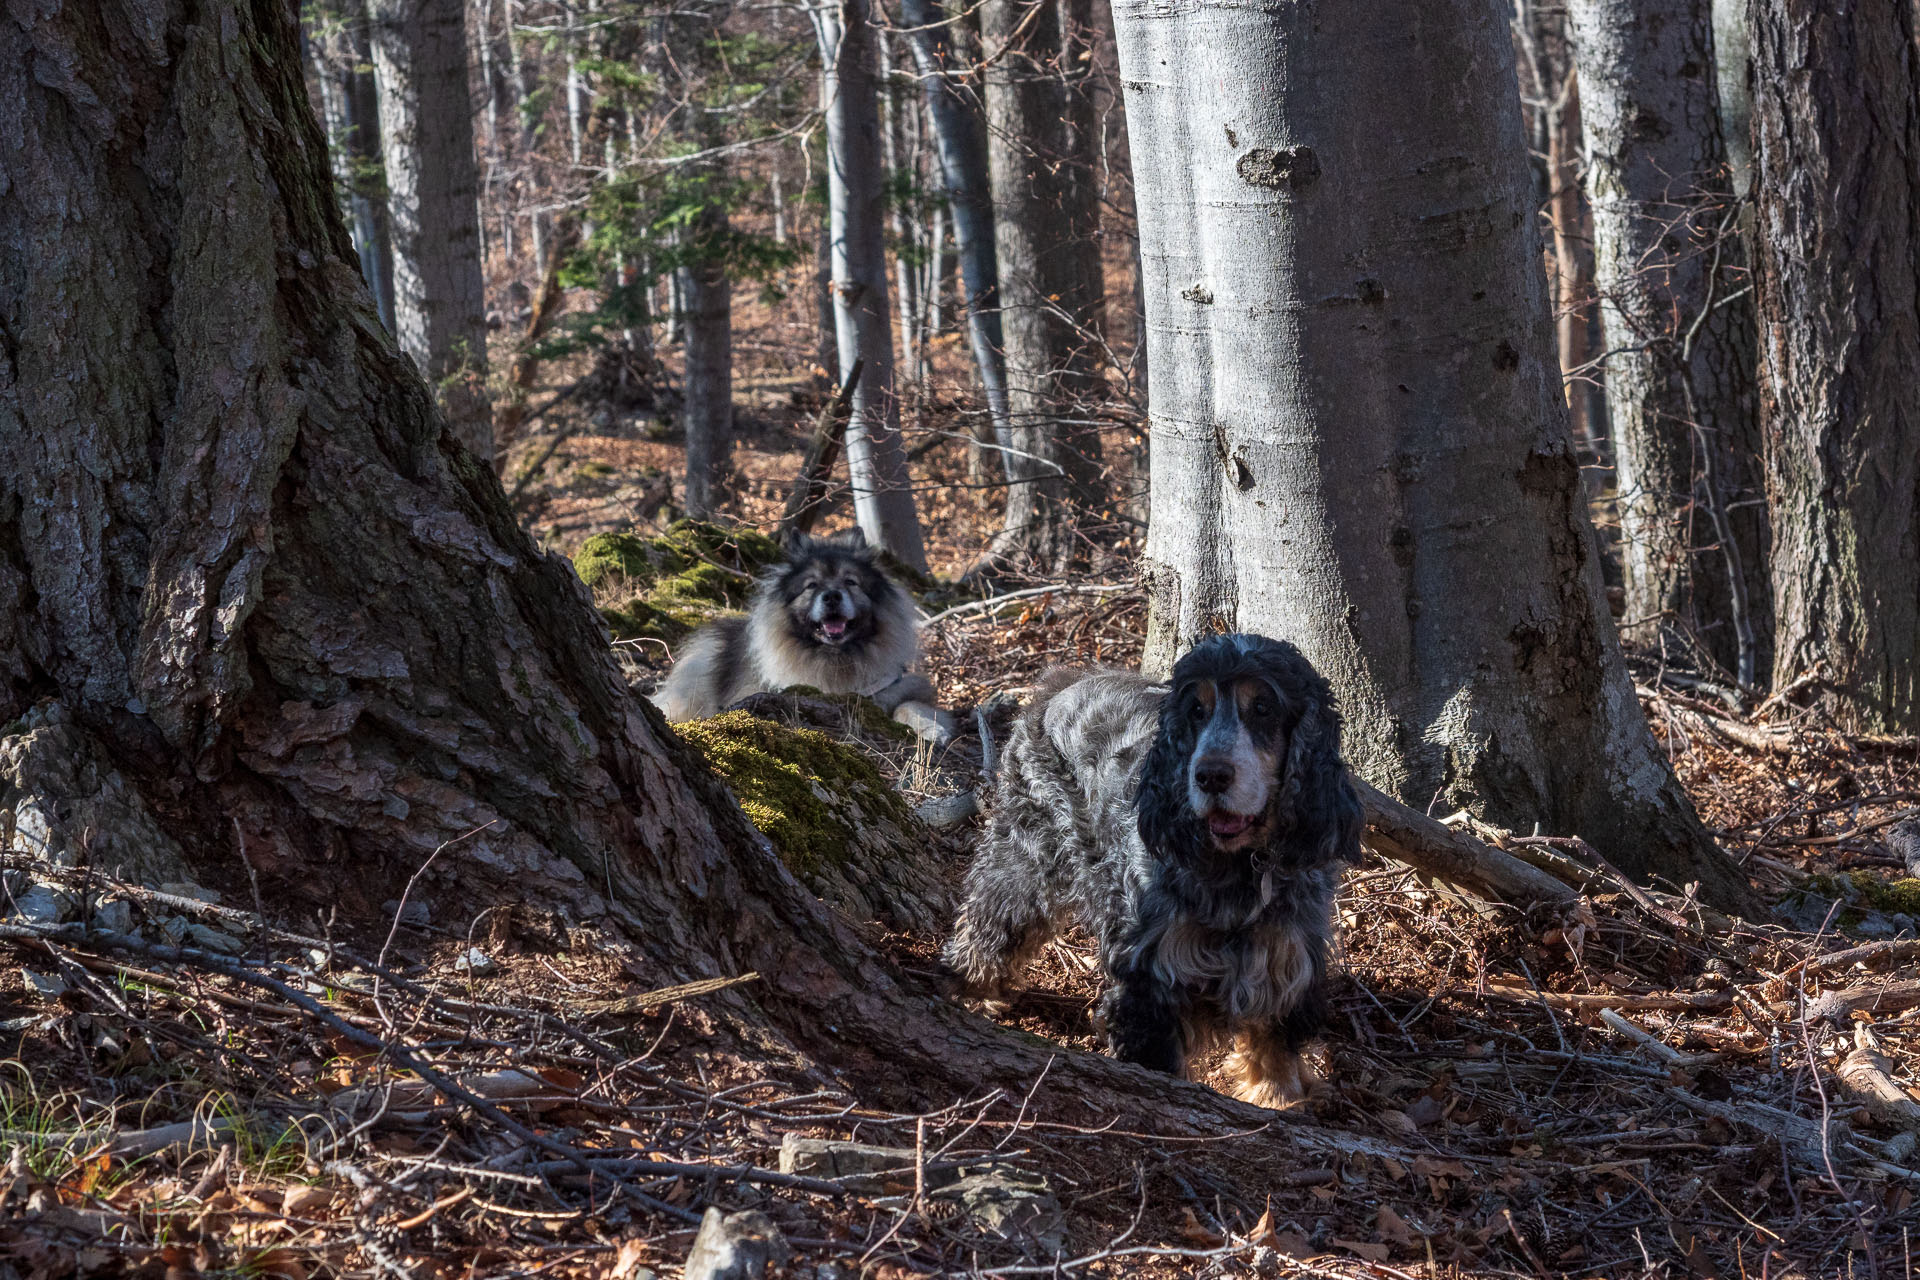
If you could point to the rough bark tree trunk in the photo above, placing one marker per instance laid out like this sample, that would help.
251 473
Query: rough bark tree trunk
959 140
426 131
1836 109
863 322
1671 274
1359 440
237 541
1046 222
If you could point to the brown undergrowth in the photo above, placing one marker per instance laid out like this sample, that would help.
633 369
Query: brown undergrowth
1612 1089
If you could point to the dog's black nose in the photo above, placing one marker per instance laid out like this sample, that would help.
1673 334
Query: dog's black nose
1212 776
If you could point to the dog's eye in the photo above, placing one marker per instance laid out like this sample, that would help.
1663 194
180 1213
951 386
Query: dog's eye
1196 712
1262 709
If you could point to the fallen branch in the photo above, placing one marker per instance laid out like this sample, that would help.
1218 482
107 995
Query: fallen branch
1433 849
1672 1001
1868 1076
1838 1006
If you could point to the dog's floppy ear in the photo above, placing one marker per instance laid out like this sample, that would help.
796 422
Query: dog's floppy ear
1317 801
1162 800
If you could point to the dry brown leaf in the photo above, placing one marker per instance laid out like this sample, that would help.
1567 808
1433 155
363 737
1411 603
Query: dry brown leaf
304 1202
1391 1227
1193 1233
1361 1249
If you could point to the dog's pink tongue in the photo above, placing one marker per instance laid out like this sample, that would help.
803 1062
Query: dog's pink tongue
834 627
1228 824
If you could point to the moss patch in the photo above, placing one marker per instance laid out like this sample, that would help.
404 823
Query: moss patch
810 795
664 587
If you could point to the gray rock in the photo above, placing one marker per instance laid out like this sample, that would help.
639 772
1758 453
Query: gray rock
47 986
736 1246
416 913
42 904
115 915
188 889
475 962
208 938
1013 1206
855 1165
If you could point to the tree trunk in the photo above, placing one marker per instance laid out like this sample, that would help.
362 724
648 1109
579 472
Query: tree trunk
708 291
876 462
1359 440
1046 228
1836 109
345 58
1573 268
426 133
1680 362
959 140
1733 87
236 540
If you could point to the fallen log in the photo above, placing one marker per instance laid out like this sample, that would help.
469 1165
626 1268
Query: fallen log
1436 850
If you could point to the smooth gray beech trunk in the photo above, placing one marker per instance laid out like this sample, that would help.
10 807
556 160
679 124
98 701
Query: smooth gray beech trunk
959 138
1836 108
1733 86
1046 220
426 134
1679 325
1359 441
344 68
856 199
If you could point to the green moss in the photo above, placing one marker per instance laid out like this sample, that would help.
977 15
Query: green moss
801 788
664 587
1894 896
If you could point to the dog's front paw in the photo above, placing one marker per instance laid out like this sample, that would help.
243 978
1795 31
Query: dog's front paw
930 722
1268 1076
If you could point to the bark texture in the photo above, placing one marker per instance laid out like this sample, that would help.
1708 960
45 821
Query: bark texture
1046 227
426 134
1679 327
708 291
1359 439
239 544
863 325
1837 173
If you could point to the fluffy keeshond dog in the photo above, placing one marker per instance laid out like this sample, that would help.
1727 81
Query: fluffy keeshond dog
827 616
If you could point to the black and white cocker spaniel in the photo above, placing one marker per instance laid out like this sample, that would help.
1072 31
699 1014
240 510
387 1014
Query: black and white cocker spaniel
1198 830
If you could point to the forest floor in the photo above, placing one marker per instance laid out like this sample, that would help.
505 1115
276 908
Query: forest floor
1613 1089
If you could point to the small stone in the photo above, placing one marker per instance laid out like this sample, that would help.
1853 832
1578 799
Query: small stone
115 915
854 1165
211 939
475 962
735 1246
1900 1147
1012 1206
44 905
416 913
188 889
47 986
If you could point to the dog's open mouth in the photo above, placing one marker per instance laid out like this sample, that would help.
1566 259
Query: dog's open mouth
831 630
1226 827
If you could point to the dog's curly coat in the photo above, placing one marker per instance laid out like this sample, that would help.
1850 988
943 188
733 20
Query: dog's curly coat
1198 831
